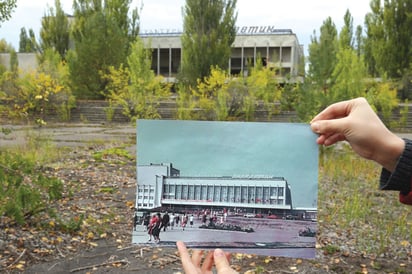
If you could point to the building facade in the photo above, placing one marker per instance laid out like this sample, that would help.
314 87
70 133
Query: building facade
161 186
277 48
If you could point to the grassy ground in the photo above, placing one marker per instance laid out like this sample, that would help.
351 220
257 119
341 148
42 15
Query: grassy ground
361 229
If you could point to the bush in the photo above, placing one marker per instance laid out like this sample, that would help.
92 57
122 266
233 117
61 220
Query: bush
24 192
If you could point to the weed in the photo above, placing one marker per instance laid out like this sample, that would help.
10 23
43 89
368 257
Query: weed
349 198
110 190
121 152
331 249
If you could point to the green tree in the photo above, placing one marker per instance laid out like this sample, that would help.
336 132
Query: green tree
5 47
55 30
102 32
27 41
208 33
388 50
359 41
263 88
349 76
346 34
6 8
322 55
136 88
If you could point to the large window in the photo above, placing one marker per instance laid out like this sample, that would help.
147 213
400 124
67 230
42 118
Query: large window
204 193
210 193
191 195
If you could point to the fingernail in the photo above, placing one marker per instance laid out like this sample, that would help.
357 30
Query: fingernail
315 127
219 253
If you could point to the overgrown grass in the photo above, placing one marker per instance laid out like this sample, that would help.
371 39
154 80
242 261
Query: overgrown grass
38 148
350 204
119 153
25 191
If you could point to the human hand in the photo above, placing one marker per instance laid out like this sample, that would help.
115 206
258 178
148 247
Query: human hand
192 265
356 122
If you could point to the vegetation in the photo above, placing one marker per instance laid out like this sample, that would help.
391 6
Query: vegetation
371 219
54 31
6 9
209 30
25 190
109 61
106 60
27 41
102 32
136 88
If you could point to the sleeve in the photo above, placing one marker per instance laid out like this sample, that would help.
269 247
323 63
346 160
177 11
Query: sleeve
401 178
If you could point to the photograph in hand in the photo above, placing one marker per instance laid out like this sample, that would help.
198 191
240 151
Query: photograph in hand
246 187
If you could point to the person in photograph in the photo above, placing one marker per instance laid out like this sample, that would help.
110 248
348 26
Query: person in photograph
184 221
165 221
157 228
172 221
146 222
191 220
151 226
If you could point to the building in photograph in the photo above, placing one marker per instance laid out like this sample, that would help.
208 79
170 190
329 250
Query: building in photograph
161 186
277 48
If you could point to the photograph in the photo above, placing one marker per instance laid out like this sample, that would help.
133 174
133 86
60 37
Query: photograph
246 187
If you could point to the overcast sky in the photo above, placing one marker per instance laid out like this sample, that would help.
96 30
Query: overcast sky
301 16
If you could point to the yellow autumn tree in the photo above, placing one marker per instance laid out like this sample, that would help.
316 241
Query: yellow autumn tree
39 94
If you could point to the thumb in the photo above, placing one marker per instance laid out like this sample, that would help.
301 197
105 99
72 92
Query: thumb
221 262
328 126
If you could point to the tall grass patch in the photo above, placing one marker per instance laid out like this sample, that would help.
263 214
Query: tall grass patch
369 221
25 192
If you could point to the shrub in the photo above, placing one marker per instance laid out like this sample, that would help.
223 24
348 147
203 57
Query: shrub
24 192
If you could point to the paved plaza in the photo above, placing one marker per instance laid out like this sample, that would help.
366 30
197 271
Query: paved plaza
270 237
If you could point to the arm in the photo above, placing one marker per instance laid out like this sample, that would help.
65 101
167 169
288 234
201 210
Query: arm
356 122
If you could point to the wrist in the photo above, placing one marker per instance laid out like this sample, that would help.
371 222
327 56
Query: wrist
391 151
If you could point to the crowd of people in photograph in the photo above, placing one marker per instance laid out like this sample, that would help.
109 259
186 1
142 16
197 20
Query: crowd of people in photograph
156 222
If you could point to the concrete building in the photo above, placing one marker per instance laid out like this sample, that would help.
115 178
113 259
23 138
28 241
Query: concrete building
27 61
161 186
277 48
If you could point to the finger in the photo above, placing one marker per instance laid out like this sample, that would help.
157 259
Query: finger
329 127
208 262
185 258
222 262
197 257
337 110
334 138
228 255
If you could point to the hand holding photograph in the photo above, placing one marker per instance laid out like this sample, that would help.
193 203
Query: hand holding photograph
242 186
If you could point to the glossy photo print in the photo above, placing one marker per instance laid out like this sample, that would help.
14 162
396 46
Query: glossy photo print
242 186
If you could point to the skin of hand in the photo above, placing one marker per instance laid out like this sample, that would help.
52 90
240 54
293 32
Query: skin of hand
356 122
192 265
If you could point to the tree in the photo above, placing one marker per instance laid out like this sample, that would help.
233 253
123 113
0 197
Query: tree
27 42
208 33
349 73
359 41
102 34
135 87
6 8
346 34
388 50
322 55
54 32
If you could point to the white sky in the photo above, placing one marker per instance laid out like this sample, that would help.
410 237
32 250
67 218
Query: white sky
301 16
